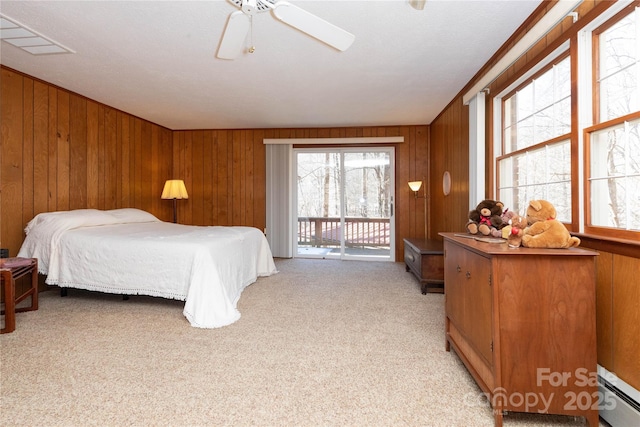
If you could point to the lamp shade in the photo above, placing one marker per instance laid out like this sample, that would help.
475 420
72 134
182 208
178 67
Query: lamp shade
415 185
174 189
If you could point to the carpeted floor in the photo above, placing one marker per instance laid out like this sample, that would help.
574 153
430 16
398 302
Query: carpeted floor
321 343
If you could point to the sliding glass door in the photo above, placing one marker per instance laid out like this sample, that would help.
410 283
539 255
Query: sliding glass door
344 203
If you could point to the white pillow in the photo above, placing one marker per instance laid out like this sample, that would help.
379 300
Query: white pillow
126 215
44 216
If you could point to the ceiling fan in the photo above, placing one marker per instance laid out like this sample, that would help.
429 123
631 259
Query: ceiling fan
239 25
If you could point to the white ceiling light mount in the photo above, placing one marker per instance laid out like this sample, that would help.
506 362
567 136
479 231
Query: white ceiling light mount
239 25
417 4
23 37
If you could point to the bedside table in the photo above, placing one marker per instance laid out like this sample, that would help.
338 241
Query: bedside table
12 269
425 259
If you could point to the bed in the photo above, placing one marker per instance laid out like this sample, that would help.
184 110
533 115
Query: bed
131 252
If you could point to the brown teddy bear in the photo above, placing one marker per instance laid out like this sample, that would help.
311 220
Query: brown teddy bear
517 225
485 218
544 230
507 215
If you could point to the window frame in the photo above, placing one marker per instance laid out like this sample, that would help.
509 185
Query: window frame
597 126
585 109
600 230
553 59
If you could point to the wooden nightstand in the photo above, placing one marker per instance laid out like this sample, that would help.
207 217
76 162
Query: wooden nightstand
12 269
425 259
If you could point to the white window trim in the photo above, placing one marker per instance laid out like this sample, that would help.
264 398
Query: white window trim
337 141
476 149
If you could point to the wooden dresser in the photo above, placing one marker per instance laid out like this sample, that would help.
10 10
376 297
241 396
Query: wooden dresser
523 323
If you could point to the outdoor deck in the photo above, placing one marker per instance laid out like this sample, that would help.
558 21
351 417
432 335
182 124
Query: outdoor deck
363 236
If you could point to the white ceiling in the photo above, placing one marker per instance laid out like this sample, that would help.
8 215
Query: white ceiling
156 60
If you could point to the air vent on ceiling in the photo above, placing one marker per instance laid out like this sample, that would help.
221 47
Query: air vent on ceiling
13 32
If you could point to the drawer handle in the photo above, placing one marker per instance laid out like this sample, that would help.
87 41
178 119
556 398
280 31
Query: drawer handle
468 275
458 269
411 257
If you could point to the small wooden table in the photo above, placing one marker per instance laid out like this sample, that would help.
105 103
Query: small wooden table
12 269
425 259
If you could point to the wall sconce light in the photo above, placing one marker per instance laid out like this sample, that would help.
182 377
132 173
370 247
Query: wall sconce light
415 187
174 189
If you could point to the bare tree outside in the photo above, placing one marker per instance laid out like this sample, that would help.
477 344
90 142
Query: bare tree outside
344 195
538 165
615 151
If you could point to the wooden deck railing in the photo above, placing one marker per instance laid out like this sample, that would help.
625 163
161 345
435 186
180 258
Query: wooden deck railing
359 232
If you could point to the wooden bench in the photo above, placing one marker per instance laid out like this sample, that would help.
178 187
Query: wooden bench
425 259
12 269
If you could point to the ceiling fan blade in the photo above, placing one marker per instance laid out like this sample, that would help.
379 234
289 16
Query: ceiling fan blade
235 33
313 25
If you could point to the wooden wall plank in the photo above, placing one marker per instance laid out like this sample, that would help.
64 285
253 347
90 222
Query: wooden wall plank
259 186
145 167
93 159
223 168
102 164
53 150
40 147
62 168
604 308
77 152
208 196
154 179
626 319
185 215
196 192
136 185
27 150
111 181
11 114
166 172
236 178
125 165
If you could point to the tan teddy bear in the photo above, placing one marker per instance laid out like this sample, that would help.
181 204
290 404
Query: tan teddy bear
517 225
544 230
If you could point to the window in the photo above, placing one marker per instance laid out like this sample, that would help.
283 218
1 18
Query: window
612 144
568 129
536 135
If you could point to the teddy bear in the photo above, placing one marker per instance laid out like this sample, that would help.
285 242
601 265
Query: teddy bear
544 230
516 229
507 215
485 218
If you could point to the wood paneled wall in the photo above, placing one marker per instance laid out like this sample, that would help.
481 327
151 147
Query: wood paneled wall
224 171
450 152
62 151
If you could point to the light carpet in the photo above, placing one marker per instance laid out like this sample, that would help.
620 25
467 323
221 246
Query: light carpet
321 343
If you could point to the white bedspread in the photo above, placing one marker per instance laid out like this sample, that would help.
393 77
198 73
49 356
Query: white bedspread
128 251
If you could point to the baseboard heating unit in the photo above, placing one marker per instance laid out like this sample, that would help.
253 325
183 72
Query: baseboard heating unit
619 402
